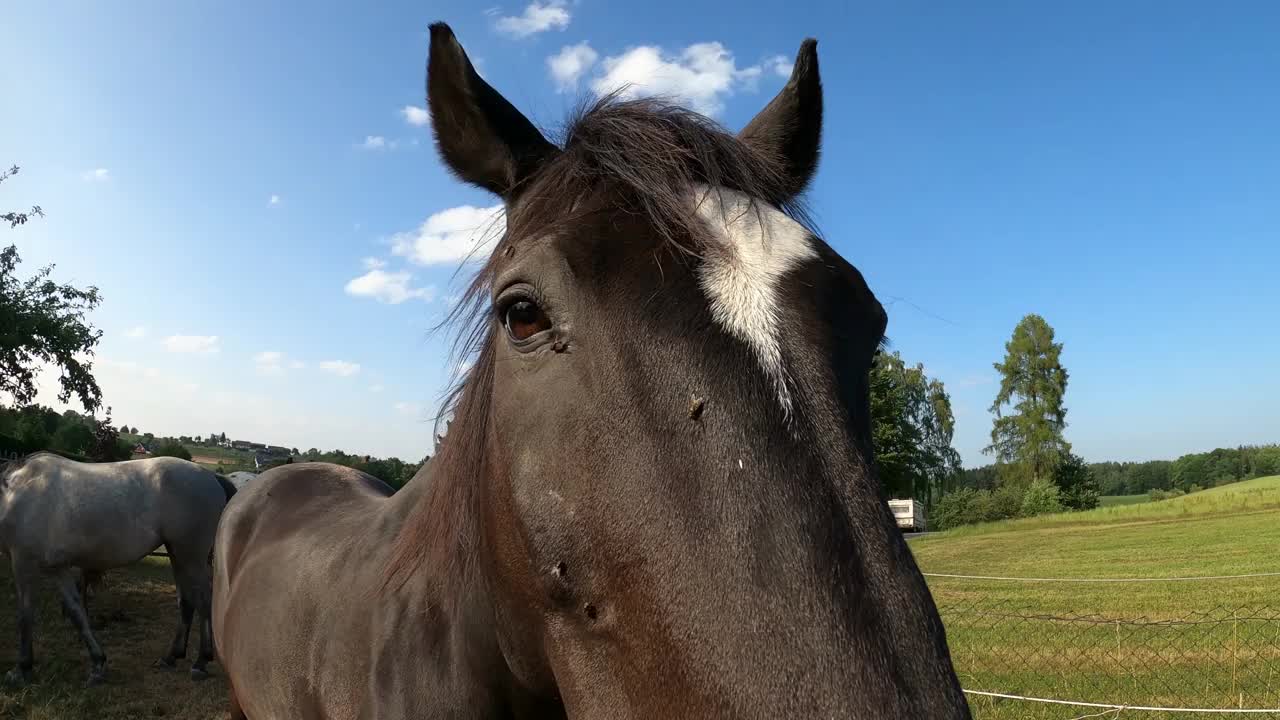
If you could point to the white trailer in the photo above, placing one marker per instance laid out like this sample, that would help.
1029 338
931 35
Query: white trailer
909 514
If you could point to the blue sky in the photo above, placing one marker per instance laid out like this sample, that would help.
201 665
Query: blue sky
246 178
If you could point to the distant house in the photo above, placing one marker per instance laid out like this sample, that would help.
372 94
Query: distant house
140 451
270 455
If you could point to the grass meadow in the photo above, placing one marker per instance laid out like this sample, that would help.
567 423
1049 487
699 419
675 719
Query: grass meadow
1202 643
1210 643
134 614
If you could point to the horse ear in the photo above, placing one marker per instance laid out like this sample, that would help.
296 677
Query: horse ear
481 137
789 129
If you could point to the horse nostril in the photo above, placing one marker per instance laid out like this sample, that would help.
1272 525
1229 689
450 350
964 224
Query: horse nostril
591 611
560 570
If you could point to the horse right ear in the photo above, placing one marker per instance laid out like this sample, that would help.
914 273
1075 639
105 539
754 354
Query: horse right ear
788 130
483 139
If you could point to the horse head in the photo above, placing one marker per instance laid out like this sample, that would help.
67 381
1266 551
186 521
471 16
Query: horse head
661 462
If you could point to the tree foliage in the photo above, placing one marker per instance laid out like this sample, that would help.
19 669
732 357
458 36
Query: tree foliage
33 428
44 322
1075 483
912 426
171 448
15 218
1028 441
107 444
1040 498
966 506
393 471
1208 469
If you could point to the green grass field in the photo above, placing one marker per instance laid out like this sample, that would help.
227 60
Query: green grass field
1208 643
134 615
1114 500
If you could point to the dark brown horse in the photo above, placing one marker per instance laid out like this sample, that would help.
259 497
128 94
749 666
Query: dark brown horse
657 499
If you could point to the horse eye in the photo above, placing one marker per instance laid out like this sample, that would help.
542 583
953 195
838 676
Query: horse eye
525 319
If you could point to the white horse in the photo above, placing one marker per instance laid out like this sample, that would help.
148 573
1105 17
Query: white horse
59 516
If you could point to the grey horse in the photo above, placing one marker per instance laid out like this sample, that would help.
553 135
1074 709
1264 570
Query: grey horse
71 519
240 478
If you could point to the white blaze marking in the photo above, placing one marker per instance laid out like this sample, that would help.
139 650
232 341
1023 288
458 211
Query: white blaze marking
741 275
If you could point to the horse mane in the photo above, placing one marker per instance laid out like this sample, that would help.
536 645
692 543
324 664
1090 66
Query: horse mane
654 154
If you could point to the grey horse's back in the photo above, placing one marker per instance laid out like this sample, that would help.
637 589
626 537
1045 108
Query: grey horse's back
102 515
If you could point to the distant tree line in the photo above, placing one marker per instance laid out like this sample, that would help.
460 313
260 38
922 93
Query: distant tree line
33 428
1188 473
392 471
980 496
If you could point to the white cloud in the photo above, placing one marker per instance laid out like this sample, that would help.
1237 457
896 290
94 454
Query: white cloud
378 142
779 65
416 116
136 333
407 408
340 368
273 200
537 17
453 235
296 365
96 175
270 362
570 64
392 288
201 344
702 75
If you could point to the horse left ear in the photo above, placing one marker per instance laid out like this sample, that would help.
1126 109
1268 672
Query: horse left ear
789 129
481 137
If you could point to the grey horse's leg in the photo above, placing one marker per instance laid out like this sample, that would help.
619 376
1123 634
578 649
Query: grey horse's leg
84 584
25 579
204 606
195 587
178 648
68 587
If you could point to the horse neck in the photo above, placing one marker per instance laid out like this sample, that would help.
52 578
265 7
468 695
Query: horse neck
402 503
460 597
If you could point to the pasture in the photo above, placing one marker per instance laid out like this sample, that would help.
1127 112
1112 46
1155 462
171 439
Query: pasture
1205 643
1114 500
1039 639
133 617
